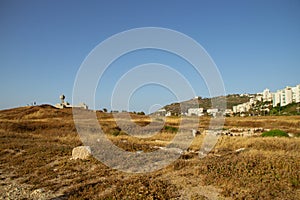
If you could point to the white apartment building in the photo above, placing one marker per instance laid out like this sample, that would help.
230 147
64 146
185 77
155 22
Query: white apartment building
281 97
259 97
287 96
266 95
296 93
228 112
212 111
234 109
161 112
195 111
276 98
241 108
168 114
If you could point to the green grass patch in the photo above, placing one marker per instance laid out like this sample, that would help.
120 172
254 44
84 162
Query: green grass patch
170 129
275 133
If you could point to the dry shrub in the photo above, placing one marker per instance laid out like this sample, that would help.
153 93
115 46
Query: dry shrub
133 187
258 143
254 175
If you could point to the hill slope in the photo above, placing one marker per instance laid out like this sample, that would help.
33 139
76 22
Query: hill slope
230 100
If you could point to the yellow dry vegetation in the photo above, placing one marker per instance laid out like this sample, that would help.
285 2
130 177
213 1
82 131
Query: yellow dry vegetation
36 145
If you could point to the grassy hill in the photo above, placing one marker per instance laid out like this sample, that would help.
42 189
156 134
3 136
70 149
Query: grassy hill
36 145
231 100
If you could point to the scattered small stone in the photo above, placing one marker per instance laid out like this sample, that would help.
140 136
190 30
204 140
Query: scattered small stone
291 134
240 150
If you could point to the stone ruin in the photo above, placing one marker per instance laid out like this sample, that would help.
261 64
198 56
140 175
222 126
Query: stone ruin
244 132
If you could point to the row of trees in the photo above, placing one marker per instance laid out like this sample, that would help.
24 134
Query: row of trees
116 111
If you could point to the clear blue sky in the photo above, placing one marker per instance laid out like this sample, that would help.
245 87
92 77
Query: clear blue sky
255 44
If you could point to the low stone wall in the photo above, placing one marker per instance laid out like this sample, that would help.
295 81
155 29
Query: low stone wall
244 132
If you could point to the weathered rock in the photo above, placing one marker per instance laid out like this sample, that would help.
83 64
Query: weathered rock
195 132
81 152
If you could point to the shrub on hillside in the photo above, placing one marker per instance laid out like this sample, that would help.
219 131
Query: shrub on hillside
170 129
275 133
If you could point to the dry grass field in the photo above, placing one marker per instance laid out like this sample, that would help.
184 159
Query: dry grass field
36 146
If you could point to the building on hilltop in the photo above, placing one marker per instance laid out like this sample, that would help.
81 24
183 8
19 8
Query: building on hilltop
65 104
263 101
212 111
168 114
286 96
276 98
228 112
266 95
242 108
259 97
296 93
195 111
161 112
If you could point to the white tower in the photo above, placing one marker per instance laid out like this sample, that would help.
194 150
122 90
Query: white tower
62 99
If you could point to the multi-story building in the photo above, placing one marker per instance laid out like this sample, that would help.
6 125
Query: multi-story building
281 97
266 95
212 111
234 109
195 111
241 108
286 96
296 93
276 98
259 97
